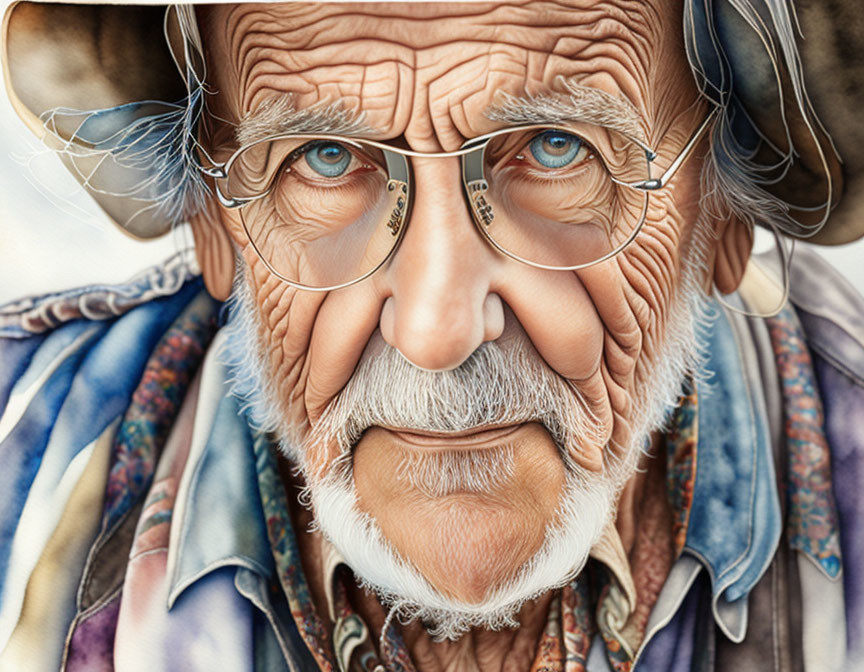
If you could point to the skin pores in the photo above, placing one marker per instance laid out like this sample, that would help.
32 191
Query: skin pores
424 75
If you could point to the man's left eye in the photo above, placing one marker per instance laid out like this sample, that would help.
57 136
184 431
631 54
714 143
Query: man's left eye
557 149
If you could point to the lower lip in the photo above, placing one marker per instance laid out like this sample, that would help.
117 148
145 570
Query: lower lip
474 439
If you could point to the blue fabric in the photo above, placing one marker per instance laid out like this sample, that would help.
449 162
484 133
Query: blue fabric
50 348
735 519
15 356
94 382
22 449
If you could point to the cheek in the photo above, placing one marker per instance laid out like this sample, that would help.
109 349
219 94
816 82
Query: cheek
312 340
633 293
286 319
601 326
557 315
652 265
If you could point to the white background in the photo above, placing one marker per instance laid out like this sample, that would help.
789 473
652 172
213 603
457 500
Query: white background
53 236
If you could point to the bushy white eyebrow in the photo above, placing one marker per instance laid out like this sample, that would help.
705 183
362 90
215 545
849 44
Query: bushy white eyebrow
281 116
575 103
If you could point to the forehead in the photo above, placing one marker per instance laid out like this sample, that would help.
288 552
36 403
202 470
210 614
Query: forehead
429 70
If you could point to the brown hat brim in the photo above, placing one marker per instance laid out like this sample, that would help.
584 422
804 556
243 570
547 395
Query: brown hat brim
62 62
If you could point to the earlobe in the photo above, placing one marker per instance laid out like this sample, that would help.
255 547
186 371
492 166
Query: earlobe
214 250
732 254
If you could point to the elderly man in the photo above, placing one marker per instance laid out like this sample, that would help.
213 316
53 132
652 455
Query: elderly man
473 406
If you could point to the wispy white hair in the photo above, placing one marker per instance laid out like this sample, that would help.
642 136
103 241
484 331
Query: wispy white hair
744 56
146 152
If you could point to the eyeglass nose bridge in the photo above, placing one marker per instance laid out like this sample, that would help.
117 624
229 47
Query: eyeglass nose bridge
474 186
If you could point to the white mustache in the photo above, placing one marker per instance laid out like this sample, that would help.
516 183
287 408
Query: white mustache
503 382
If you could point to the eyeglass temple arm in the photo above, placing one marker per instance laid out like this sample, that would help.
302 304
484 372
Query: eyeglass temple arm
217 172
662 181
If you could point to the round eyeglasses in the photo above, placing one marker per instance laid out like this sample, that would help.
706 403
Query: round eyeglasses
325 211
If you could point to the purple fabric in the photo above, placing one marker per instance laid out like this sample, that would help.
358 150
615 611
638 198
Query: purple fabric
92 646
680 644
844 414
208 628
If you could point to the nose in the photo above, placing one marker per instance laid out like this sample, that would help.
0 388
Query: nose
441 304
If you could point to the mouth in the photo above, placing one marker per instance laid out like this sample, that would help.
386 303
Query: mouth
476 438
415 440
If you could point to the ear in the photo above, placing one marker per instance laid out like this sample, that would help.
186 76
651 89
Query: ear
734 243
215 253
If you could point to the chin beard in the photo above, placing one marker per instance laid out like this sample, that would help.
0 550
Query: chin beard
523 389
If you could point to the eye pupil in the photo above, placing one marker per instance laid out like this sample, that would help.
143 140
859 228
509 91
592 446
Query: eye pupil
557 142
331 153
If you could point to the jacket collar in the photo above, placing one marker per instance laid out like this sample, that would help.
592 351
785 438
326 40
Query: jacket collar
218 511
735 518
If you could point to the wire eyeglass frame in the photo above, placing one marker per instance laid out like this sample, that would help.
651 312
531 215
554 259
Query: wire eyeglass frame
474 183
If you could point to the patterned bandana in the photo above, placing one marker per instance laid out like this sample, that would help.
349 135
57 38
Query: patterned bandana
811 525
139 441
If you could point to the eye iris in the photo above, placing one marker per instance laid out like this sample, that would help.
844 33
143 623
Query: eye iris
329 159
555 149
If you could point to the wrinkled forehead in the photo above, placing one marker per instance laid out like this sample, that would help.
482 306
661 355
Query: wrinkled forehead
431 71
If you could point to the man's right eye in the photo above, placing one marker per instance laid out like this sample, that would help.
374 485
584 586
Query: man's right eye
328 159
328 163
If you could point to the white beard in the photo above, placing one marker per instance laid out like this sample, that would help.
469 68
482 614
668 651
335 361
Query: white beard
501 383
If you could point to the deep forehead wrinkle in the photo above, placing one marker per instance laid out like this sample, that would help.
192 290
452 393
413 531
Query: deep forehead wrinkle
327 52
306 26
543 26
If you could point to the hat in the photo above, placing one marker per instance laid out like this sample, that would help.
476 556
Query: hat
116 91
136 73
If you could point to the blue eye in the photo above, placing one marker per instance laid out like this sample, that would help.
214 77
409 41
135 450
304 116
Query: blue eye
555 149
329 159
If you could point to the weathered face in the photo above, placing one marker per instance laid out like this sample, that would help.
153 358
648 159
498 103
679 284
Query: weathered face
425 77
